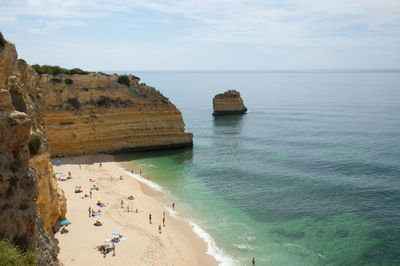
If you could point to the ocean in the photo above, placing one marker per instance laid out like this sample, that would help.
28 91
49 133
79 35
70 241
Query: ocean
309 176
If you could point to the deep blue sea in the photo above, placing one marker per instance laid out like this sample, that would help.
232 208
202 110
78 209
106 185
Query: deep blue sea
309 176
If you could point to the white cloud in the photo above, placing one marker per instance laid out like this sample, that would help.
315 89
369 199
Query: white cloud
319 26
270 22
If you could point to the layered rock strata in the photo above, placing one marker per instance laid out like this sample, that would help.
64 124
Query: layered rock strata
228 103
92 113
30 200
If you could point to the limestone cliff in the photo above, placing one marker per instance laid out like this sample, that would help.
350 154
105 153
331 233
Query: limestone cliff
92 113
228 102
28 188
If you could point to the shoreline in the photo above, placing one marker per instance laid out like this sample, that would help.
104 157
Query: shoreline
212 249
177 244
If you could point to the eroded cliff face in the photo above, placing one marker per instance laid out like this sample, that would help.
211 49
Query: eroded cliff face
28 188
97 114
228 102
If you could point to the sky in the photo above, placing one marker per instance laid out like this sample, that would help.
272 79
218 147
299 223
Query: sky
105 35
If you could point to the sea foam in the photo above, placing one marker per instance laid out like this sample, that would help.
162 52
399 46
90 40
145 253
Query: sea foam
212 249
143 180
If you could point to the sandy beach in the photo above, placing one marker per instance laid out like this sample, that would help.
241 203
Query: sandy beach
141 242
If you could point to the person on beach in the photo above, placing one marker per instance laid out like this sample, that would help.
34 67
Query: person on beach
90 212
64 230
132 171
173 205
80 167
150 218
136 210
122 204
159 228
100 164
113 248
127 207
121 178
163 221
253 261
90 193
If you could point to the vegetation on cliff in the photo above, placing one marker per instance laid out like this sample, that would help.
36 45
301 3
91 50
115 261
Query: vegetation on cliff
124 79
34 144
12 255
2 41
56 70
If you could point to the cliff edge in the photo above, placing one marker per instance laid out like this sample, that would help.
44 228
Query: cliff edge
95 112
30 200
228 103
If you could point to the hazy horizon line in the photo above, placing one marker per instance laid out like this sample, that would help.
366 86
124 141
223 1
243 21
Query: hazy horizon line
342 70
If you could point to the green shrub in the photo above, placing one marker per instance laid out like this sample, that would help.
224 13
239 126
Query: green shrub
56 70
103 101
66 123
68 81
37 68
15 165
11 121
76 71
56 80
74 102
2 41
124 79
12 255
34 144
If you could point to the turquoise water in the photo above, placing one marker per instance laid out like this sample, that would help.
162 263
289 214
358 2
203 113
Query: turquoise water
310 176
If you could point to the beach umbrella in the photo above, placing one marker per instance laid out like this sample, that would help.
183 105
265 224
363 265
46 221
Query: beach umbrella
65 223
116 233
99 199
58 161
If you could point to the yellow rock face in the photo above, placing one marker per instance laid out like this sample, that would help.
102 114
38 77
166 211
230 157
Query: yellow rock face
97 114
51 200
19 91
28 188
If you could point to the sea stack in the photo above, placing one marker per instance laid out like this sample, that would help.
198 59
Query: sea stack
228 103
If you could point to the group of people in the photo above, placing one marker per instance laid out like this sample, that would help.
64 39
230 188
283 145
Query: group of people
92 213
163 221
107 248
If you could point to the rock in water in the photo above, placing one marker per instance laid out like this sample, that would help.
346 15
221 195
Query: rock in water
228 103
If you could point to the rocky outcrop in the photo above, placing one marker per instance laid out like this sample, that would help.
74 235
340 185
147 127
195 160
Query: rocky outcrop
30 201
92 113
228 103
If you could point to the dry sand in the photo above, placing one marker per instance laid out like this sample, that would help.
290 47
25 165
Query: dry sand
144 245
